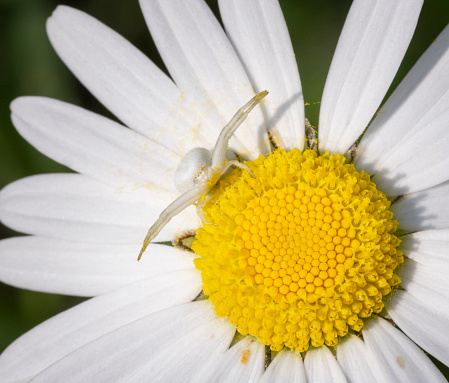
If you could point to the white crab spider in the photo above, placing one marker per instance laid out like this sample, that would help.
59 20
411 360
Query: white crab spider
195 172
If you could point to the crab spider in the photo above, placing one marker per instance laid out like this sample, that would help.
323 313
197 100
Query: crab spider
196 173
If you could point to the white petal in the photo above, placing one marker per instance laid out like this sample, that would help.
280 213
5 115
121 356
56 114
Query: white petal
370 49
423 324
353 359
430 235
75 207
420 275
94 145
242 363
71 268
430 248
74 328
258 32
122 78
206 68
286 367
421 96
419 162
429 296
395 358
423 210
162 347
321 366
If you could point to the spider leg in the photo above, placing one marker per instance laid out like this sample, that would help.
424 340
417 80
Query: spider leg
199 206
227 132
178 205
239 165
200 213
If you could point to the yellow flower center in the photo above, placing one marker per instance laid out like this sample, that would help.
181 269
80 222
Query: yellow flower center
300 253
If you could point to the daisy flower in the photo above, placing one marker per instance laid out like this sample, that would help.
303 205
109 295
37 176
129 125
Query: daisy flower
312 253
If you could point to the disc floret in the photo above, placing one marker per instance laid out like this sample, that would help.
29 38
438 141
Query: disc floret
299 254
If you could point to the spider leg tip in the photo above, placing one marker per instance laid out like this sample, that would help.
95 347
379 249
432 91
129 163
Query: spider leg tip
261 95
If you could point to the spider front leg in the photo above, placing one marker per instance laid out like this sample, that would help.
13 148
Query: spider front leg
176 207
221 146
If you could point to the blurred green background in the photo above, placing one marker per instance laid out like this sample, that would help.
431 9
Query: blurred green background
29 66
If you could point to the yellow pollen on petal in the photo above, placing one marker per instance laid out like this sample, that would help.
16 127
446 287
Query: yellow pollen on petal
299 254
